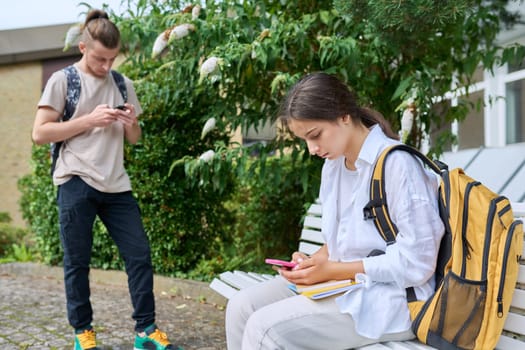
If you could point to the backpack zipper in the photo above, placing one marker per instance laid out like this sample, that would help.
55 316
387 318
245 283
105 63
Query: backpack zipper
508 242
464 241
488 234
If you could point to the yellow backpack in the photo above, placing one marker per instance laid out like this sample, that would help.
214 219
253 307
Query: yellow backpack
478 259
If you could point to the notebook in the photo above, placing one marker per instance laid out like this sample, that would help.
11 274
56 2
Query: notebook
325 289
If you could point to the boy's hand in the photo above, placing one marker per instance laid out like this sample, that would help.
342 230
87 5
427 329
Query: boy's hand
126 114
102 116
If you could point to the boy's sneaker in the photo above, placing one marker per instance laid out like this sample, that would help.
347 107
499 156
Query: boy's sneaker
153 339
85 339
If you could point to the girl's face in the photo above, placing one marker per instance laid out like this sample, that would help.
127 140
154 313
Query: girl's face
325 139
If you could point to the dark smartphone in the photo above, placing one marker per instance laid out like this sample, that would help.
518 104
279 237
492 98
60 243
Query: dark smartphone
121 107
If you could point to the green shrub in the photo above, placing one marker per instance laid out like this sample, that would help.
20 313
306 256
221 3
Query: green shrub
38 206
18 253
181 221
16 243
268 217
10 235
5 217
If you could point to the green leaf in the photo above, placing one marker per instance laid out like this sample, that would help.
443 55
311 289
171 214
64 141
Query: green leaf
402 88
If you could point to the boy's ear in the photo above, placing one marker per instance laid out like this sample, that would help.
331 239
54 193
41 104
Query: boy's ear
82 46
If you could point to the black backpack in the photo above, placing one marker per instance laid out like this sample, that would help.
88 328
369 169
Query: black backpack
72 97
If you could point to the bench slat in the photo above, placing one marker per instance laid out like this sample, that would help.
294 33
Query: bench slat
315 210
312 236
518 209
376 346
238 279
256 276
408 345
404 345
313 222
233 280
223 288
518 299
508 343
308 248
521 273
261 277
251 278
515 323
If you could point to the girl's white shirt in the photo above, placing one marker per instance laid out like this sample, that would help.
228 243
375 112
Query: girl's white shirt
411 191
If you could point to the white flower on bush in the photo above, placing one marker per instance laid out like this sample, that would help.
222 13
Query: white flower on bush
160 43
231 13
207 156
209 67
407 121
195 12
72 34
208 126
180 31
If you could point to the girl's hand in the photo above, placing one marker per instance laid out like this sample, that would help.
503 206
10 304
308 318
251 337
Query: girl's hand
318 268
309 270
298 257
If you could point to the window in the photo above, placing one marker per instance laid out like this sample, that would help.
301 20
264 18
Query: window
265 131
515 103
470 130
515 118
49 66
497 114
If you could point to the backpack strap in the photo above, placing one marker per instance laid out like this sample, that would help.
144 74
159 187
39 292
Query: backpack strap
72 97
121 84
377 208
73 91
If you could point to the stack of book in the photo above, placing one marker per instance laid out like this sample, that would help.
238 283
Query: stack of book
325 289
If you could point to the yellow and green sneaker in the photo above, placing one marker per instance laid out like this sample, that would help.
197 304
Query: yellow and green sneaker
153 339
85 339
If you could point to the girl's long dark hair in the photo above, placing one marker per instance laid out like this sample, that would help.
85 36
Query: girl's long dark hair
321 96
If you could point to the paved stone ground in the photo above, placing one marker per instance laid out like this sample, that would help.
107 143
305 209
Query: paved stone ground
33 315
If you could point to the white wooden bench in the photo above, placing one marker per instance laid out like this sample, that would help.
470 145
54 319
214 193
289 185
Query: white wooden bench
513 337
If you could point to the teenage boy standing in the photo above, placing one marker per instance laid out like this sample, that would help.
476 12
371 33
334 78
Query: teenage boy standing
92 181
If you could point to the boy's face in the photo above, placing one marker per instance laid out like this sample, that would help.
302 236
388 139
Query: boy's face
98 58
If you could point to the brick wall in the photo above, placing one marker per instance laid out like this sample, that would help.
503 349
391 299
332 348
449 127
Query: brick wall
20 88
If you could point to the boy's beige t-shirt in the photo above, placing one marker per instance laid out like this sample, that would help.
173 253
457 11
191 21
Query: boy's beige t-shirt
97 155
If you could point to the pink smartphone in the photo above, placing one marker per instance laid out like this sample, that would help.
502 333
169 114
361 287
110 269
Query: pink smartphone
281 263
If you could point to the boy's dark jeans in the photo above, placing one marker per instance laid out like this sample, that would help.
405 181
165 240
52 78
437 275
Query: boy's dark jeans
78 205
